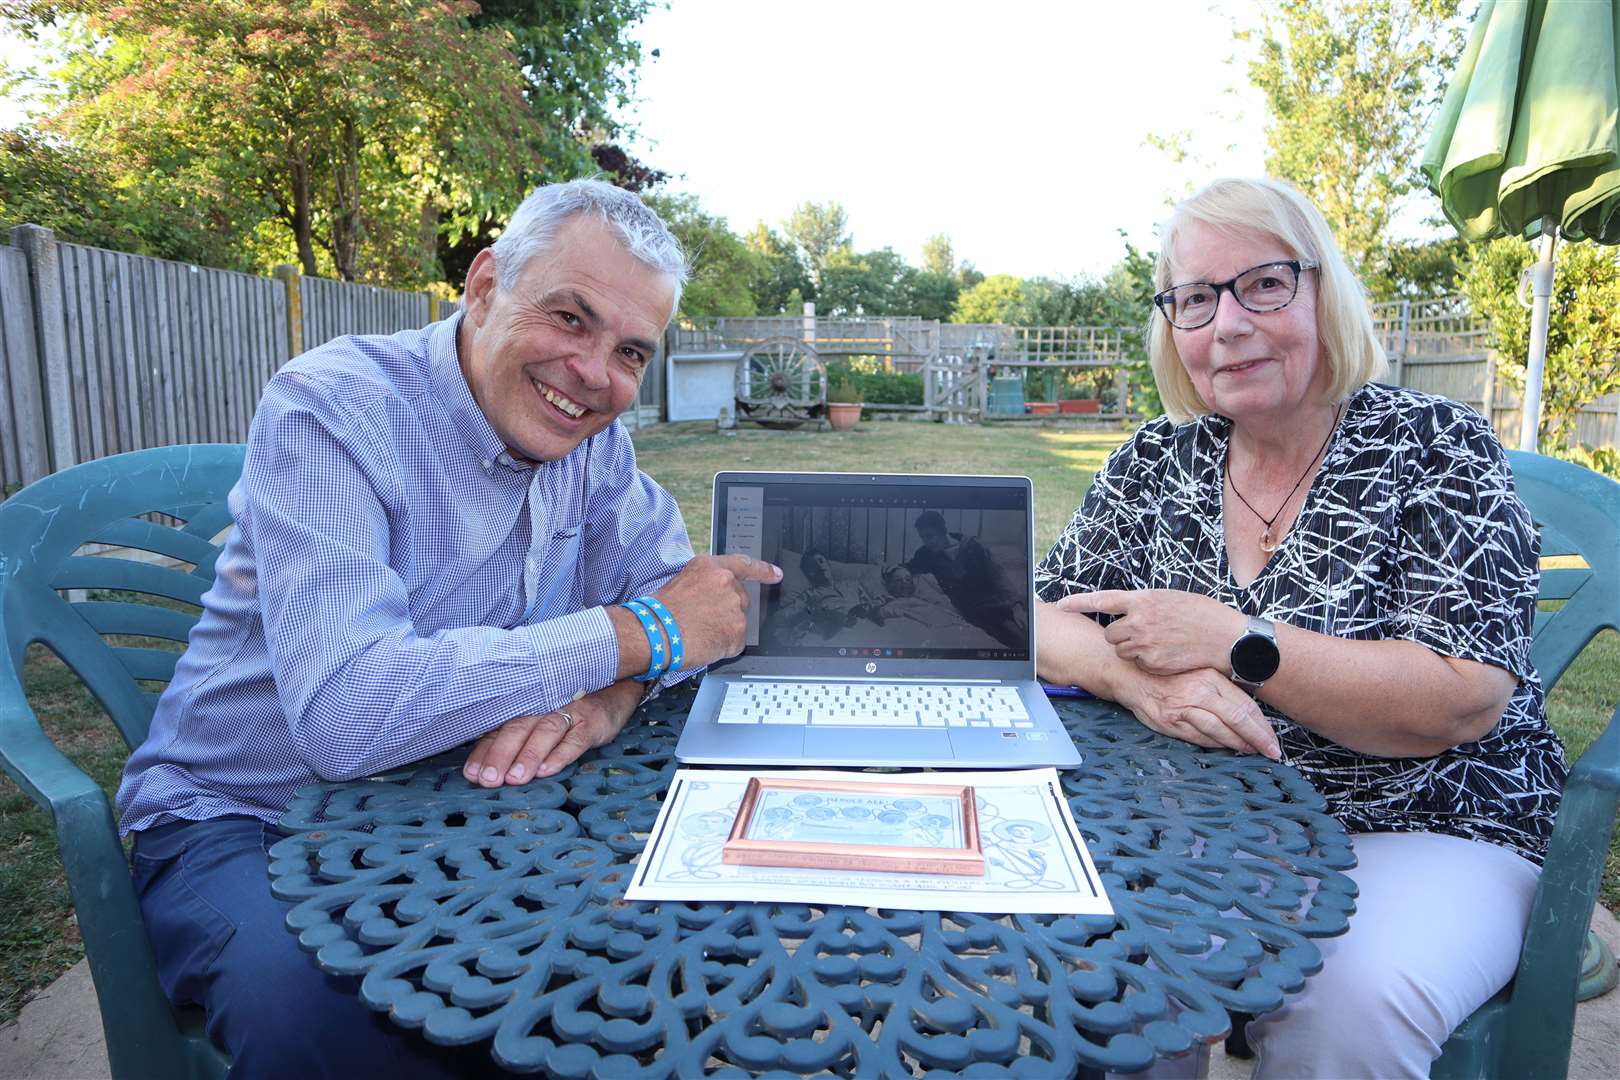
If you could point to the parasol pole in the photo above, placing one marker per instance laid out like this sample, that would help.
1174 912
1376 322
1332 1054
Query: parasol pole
1541 286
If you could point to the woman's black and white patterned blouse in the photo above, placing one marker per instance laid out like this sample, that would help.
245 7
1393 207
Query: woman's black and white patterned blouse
1411 530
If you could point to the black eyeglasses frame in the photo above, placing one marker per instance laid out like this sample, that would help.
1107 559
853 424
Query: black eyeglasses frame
1161 300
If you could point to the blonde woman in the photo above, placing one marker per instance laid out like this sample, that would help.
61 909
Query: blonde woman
1299 562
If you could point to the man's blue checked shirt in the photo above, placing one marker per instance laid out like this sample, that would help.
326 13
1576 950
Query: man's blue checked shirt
396 584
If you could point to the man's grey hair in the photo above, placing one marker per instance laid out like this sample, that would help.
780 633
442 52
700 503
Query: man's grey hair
535 223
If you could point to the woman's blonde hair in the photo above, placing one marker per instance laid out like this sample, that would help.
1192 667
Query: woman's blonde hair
1269 208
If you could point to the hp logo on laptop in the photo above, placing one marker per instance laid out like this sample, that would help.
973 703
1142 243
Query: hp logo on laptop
870 667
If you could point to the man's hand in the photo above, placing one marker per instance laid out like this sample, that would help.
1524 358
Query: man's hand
531 746
709 603
1164 631
1202 707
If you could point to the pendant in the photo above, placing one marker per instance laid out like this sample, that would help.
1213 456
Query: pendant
1268 542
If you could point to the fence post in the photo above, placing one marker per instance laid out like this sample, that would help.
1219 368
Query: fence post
287 274
1487 405
1406 340
982 405
38 245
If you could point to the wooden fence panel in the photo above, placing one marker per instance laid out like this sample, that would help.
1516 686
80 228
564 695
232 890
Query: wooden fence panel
335 308
25 442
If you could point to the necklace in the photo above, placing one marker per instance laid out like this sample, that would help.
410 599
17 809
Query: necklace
1268 539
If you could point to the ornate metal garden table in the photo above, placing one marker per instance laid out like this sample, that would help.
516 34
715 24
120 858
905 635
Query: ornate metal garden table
499 916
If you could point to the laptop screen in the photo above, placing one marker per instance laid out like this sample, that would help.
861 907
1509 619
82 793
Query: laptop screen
910 568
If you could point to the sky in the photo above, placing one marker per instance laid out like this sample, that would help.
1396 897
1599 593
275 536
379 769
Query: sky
1017 128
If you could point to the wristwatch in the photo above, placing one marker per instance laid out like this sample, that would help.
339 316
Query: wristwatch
1254 654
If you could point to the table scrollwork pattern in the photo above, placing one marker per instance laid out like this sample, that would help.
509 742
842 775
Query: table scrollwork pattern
498 915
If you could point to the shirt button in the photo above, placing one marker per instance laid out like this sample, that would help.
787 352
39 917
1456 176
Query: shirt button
488 464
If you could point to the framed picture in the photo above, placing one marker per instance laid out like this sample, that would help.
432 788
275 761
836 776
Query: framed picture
857 825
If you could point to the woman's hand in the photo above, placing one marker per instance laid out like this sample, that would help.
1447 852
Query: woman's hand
535 746
1202 707
1164 631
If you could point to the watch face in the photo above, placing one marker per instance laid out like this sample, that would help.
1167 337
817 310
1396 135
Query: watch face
1254 658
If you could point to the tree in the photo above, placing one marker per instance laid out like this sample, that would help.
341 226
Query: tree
1419 269
779 283
937 256
817 229
342 133
1350 86
624 170
1583 335
346 121
966 275
866 284
722 264
990 301
579 65
928 294
72 189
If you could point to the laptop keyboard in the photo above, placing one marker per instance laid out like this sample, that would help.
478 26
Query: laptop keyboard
885 705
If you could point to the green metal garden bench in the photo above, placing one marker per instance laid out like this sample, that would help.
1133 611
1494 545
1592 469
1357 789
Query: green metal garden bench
70 601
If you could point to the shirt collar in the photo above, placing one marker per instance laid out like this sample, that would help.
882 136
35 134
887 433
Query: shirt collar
450 387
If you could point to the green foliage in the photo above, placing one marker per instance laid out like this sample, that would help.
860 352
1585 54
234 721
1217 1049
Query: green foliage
72 190
873 383
1350 86
1600 459
843 389
927 294
350 136
1130 282
579 65
779 281
817 230
1583 338
990 301
865 284
723 266
937 255
1419 269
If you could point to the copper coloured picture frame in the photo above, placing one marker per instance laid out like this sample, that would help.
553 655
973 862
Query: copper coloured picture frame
857 825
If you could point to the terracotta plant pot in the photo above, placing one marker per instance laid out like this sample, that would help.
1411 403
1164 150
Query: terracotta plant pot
1042 408
1080 405
843 414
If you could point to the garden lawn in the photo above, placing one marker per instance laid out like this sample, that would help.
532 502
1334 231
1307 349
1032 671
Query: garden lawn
39 939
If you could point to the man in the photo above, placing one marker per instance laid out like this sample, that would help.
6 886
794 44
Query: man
823 607
970 577
434 535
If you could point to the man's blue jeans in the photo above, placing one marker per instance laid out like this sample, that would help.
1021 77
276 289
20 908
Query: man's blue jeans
222 943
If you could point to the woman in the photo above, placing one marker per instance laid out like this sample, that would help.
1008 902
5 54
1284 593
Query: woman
1299 562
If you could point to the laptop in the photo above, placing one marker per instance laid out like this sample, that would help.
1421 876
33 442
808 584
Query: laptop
902 632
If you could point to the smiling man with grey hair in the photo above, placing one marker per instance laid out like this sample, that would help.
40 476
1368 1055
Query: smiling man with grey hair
441 536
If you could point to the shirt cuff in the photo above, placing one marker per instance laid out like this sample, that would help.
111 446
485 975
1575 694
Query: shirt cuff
576 654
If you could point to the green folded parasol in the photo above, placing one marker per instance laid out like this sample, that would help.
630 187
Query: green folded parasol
1526 141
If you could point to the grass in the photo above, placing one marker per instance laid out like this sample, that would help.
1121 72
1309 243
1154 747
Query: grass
39 939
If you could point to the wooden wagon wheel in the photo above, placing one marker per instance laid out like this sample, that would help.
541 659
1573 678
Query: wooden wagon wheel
781 382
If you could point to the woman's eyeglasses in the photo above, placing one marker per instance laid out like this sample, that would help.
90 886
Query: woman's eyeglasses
1268 287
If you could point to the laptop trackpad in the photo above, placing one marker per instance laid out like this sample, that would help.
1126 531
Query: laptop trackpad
872 746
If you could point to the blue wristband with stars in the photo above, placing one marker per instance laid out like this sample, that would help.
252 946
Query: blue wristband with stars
672 630
655 640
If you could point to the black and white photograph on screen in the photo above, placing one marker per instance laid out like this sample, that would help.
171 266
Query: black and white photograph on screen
900 577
